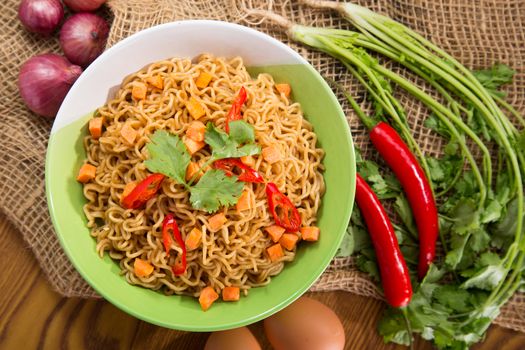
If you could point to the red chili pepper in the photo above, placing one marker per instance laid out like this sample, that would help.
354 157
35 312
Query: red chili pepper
143 192
169 225
235 110
284 212
394 272
416 187
233 166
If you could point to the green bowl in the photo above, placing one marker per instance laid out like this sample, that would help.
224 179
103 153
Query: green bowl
261 53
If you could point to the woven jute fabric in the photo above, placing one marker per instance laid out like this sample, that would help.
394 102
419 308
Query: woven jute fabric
478 33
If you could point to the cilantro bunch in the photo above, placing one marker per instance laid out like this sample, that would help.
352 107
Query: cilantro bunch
169 156
481 264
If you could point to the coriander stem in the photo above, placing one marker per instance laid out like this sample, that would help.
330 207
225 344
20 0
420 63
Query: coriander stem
201 169
408 326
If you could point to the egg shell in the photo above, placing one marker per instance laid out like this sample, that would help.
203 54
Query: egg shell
233 339
306 324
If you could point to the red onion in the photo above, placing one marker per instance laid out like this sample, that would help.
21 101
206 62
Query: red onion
84 5
83 37
44 81
41 16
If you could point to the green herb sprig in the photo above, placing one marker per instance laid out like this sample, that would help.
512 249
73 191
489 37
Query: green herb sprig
169 156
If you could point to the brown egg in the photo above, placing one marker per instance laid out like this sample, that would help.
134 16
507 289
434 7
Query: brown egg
233 339
305 325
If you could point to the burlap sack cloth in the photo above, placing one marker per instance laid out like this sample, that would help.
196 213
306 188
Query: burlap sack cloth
479 33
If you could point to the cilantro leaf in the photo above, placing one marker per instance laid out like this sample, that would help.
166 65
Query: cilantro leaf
496 76
487 278
215 189
241 132
168 156
229 146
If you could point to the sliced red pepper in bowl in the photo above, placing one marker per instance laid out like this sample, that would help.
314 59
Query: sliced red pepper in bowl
170 228
235 110
283 211
233 166
143 192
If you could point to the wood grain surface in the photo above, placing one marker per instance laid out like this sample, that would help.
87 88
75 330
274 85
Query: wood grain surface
33 316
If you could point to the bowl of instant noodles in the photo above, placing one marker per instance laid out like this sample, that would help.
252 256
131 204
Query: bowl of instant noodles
200 175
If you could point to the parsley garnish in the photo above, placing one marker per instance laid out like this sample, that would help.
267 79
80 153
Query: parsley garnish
215 189
169 156
226 145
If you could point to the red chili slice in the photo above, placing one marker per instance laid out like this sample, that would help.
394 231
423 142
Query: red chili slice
284 212
233 166
169 225
235 110
143 192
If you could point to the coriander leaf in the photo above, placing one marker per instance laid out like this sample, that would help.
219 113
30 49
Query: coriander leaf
435 124
215 189
217 139
404 211
168 156
347 245
224 146
247 150
453 297
493 78
393 329
454 256
503 230
367 264
241 132
492 212
465 215
487 278
480 240
435 168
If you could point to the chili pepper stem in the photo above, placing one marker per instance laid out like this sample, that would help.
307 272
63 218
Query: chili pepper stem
404 312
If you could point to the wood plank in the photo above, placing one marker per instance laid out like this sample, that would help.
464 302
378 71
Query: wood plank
35 317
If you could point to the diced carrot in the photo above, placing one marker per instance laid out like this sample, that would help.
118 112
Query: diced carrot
289 240
275 252
95 127
193 239
231 293
191 170
248 160
203 80
193 146
207 297
139 91
130 186
142 268
128 134
271 154
245 201
86 173
275 232
156 81
310 233
196 131
216 222
284 88
195 108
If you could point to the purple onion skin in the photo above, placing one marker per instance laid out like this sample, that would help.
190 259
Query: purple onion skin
41 16
84 5
83 37
44 82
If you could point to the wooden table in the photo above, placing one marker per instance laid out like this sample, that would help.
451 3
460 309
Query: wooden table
33 316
